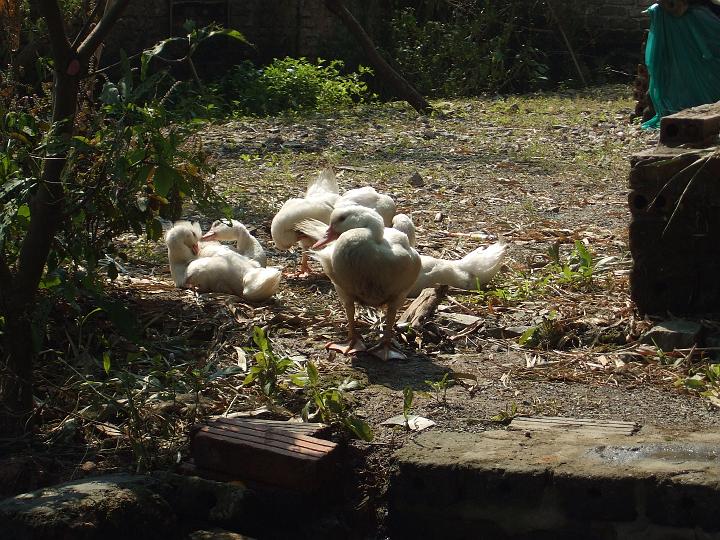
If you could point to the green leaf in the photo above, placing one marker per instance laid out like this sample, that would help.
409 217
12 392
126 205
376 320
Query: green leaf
154 229
313 375
527 336
49 281
165 179
106 363
299 379
24 212
360 428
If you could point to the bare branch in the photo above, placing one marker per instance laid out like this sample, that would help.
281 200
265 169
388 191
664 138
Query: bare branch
88 22
98 34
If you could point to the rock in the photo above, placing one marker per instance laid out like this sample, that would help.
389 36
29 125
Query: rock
507 332
416 180
674 334
115 506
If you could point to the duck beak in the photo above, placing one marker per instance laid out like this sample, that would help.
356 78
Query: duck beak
195 249
330 235
210 235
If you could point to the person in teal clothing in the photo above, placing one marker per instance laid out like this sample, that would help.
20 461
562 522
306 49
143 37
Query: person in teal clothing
682 55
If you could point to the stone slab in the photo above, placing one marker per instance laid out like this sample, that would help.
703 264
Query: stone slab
557 484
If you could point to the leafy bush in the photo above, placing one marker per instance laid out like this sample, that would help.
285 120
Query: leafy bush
286 85
483 46
124 161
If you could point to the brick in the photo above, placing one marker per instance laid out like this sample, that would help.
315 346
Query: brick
281 454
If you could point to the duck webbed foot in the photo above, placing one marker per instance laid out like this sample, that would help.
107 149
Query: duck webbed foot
353 346
386 351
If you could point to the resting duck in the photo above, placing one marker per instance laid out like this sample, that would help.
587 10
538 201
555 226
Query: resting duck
371 265
318 203
469 273
219 269
234 231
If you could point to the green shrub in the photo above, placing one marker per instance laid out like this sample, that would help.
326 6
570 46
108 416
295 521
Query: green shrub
286 85
485 46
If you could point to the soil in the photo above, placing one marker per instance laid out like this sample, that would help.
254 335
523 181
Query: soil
537 171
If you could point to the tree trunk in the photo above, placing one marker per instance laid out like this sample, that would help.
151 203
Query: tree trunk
46 212
403 89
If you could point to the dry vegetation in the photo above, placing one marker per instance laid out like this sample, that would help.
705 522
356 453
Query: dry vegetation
554 334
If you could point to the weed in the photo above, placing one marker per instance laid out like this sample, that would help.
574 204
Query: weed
705 381
269 367
440 387
408 396
329 405
506 416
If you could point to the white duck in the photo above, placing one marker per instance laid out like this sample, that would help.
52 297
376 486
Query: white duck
223 271
318 203
369 264
234 231
367 196
469 273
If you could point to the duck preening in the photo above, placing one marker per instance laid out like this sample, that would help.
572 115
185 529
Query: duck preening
234 231
216 268
368 264
318 204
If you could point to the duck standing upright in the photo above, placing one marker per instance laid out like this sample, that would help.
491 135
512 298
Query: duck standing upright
371 265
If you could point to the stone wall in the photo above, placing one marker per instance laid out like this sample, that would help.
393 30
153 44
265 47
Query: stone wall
306 28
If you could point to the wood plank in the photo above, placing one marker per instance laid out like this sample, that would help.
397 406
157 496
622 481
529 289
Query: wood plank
285 446
585 425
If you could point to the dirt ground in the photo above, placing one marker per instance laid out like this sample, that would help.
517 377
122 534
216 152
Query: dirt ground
536 171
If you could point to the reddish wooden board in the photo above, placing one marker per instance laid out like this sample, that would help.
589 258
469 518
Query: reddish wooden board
282 454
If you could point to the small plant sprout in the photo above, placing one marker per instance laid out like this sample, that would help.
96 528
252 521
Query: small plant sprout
268 367
440 387
506 416
329 405
408 396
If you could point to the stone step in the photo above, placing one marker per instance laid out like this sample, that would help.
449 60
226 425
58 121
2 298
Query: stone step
557 483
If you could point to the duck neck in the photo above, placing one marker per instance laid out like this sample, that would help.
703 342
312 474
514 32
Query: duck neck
376 228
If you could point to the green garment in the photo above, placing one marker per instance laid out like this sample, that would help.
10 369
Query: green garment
683 58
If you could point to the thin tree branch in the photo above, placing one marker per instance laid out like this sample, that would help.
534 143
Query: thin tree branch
55 21
87 24
100 32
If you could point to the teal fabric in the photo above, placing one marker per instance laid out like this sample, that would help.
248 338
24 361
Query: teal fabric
683 59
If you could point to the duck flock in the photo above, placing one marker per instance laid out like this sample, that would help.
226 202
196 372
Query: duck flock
364 247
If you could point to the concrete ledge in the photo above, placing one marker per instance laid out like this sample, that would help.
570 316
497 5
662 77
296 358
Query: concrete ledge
557 484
